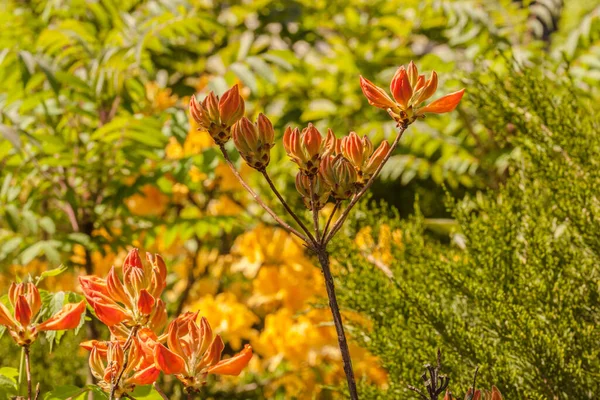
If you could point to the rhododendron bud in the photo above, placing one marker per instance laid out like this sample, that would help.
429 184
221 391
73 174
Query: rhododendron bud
254 141
26 302
375 160
306 148
107 364
409 90
320 190
218 116
193 352
340 175
132 301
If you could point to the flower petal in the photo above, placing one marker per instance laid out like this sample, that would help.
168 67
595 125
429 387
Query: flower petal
167 361
22 311
375 95
67 318
233 365
401 88
5 317
444 104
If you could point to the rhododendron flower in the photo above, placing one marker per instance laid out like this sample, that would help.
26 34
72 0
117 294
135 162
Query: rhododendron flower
194 352
107 360
26 302
218 116
306 148
409 91
134 301
360 153
254 141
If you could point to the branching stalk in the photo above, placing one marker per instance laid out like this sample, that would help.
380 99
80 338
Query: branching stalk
315 210
126 347
326 230
257 197
340 221
287 207
28 371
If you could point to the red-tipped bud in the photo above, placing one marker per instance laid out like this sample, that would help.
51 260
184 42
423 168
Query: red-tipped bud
199 113
412 73
339 174
254 141
231 107
132 260
320 191
356 150
67 318
211 106
306 148
375 160
401 88
377 96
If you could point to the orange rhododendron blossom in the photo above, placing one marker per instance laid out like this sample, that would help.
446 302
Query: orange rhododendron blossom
26 302
218 116
107 360
254 141
193 352
306 148
132 301
409 91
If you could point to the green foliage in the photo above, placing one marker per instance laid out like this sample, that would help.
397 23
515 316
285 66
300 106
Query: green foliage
515 291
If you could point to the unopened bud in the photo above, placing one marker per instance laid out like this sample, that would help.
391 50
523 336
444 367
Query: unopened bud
320 191
254 141
339 174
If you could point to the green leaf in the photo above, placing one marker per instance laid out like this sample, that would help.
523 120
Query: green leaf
53 272
66 392
146 393
8 382
245 75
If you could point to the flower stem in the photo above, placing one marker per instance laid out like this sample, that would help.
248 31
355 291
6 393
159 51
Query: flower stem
28 371
257 197
126 347
286 206
160 391
337 320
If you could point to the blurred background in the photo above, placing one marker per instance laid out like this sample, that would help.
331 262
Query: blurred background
97 154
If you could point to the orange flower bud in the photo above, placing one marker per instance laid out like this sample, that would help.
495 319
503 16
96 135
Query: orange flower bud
67 318
375 160
5 317
401 88
23 312
31 293
339 174
231 106
306 148
320 190
199 113
409 90
254 141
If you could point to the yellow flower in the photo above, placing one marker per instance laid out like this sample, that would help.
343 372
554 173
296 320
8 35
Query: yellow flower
150 202
161 98
382 250
228 317
269 247
224 206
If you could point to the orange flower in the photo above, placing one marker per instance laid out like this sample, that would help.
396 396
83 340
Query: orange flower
193 352
134 301
409 90
306 148
26 302
107 359
218 116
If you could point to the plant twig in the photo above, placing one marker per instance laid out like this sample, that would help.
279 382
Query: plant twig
126 347
160 391
257 198
37 391
340 221
335 208
28 371
337 320
315 210
287 207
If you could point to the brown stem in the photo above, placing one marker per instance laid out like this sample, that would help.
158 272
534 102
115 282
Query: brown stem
337 320
315 210
340 221
335 208
126 347
28 371
160 391
257 198
287 207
